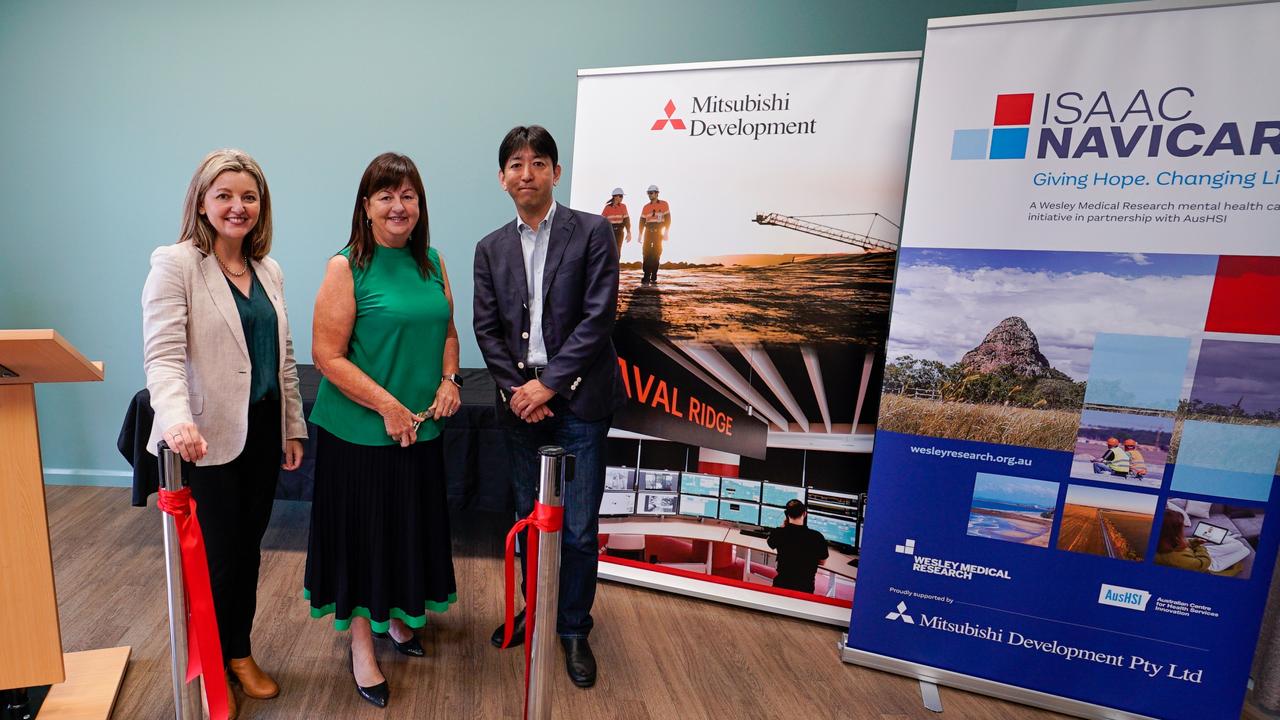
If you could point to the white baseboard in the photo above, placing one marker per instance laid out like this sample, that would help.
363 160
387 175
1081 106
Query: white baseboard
93 477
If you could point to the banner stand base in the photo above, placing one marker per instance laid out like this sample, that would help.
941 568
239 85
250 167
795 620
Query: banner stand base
981 686
929 695
708 590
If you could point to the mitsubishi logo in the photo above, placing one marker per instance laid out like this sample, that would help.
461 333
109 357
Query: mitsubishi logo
900 614
676 123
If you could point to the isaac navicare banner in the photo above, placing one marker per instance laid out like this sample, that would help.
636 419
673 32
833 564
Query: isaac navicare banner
1074 471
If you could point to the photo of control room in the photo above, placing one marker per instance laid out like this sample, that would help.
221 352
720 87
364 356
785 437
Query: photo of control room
659 509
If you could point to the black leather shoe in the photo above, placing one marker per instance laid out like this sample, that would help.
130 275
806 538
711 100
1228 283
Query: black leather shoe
517 635
579 661
410 647
378 695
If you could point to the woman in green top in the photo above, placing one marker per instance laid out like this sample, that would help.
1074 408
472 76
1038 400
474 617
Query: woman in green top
379 553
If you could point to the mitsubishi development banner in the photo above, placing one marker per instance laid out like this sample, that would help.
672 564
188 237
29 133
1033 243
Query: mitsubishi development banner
756 207
1073 487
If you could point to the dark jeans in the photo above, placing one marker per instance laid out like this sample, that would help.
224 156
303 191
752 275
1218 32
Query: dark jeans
652 255
233 504
619 233
579 540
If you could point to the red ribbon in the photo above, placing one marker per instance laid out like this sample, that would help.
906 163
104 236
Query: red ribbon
544 518
204 648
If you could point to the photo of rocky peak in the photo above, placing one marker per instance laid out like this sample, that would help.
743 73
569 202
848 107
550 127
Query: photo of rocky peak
1010 347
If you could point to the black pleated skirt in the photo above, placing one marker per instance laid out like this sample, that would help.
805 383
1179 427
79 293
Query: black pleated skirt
379 545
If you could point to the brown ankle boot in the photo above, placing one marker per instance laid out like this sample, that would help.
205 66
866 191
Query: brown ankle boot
256 684
232 710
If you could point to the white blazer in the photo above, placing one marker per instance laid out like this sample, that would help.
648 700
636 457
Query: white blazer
195 355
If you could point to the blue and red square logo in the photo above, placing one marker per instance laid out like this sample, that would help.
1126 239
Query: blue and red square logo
1006 141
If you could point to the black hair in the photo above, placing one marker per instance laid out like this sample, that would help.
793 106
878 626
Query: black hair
795 509
534 137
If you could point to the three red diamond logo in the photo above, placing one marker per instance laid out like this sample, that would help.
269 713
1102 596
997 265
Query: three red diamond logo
676 123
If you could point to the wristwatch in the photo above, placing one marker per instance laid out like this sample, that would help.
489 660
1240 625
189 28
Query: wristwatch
454 378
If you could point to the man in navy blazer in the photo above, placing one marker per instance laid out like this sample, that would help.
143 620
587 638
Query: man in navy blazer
546 292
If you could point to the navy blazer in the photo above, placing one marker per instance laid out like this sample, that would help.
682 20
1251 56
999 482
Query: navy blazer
580 300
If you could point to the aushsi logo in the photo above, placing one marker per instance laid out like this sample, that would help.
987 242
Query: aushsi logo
676 123
1008 140
1124 597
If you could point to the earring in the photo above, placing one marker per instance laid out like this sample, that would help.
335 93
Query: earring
368 221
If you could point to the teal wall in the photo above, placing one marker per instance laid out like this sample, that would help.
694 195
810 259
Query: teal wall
107 108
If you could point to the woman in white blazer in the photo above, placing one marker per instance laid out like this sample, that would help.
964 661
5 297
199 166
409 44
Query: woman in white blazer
224 388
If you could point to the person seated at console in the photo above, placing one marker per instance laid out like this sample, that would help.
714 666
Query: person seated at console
800 549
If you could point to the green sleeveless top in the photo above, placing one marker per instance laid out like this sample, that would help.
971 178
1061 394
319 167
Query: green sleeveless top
397 340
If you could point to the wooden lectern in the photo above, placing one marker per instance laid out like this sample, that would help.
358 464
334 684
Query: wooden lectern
30 642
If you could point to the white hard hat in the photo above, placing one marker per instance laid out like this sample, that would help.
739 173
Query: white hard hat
652 188
616 191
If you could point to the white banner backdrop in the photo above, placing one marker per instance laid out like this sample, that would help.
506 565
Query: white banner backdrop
765 296
1178 101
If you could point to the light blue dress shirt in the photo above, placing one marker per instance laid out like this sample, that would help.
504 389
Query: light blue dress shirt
533 243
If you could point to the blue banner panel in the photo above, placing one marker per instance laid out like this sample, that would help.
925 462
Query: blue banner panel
1074 617
1075 465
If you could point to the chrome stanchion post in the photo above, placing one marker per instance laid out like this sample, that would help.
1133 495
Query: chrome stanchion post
555 465
186 698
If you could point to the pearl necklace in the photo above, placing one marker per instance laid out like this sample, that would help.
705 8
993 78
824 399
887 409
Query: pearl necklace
231 272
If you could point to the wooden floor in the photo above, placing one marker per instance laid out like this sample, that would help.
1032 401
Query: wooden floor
661 655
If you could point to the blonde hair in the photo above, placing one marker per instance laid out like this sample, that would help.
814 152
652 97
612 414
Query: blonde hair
196 227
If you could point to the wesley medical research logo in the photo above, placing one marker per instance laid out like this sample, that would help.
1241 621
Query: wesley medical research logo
1006 141
670 110
900 613
957 569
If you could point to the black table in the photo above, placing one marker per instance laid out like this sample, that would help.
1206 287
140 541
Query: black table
475 448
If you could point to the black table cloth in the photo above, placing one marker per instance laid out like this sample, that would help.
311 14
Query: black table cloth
475 448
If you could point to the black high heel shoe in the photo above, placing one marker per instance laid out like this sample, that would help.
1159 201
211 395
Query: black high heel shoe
378 695
410 647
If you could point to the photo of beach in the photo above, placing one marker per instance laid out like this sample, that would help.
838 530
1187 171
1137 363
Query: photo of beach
1012 509
1122 448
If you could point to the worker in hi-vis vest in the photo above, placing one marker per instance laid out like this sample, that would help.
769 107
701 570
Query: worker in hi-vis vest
616 213
1137 463
655 222
1115 460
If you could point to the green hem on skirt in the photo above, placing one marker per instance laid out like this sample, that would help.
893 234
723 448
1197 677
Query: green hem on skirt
381 626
